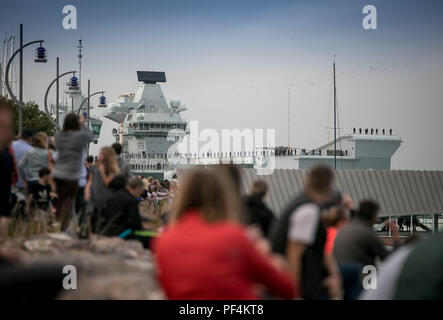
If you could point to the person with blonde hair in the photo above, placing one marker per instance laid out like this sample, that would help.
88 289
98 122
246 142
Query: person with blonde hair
206 253
100 177
35 159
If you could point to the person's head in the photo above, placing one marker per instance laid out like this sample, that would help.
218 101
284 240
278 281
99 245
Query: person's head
368 211
51 143
259 188
5 125
108 158
44 175
336 216
135 187
117 148
209 192
27 135
319 183
41 140
166 184
71 123
150 179
140 177
89 160
118 183
173 186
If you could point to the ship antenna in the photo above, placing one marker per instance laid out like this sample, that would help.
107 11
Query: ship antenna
80 56
289 96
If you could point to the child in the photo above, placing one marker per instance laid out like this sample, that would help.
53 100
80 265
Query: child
41 192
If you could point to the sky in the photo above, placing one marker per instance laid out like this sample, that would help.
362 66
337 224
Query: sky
233 62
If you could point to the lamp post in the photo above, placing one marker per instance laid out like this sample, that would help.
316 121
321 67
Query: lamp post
102 104
40 57
57 126
87 98
57 90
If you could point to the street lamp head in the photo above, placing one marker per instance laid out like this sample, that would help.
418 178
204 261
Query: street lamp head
40 55
73 87
102 102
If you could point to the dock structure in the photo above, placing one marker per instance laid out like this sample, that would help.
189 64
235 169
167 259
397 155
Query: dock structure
400 192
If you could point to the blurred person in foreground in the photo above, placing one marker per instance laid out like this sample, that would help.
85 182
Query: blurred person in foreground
36 158
40 193
100 177
20 147
89 162
6 169
123 165
339 212
80 202
71 143
259 213
207 254
412 272
357 242
121 215
338 216
300 235
233 172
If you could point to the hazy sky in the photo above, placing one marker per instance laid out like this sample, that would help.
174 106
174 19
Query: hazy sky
231 63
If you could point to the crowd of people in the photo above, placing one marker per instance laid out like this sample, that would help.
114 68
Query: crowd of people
209 240
80 194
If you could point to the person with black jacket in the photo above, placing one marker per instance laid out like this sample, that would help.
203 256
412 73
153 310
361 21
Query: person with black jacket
300 235
6 168
121 214
259 214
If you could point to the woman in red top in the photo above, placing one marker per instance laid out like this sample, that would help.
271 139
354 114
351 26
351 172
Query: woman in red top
336 218
205 254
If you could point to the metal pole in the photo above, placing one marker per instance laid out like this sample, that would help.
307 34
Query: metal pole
289 96
11 51
335 122
46 98
1 78
57 95
89 92
20 95
19 101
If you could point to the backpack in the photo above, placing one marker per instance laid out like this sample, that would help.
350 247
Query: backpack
279 231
